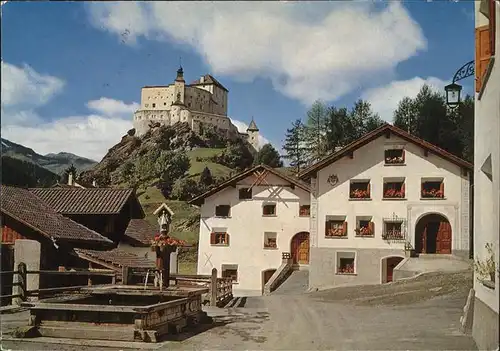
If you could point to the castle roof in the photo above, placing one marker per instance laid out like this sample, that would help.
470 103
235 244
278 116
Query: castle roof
252 127
208 79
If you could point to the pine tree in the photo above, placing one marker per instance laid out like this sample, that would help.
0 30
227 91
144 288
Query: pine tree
206 177
294 146
268 156
315 132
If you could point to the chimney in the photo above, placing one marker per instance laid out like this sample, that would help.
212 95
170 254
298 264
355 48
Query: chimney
70 178
202 79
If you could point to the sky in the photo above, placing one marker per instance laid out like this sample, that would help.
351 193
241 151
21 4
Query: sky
72 72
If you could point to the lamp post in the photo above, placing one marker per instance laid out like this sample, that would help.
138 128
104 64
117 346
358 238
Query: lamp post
453 90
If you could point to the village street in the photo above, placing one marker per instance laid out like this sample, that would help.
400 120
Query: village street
421 314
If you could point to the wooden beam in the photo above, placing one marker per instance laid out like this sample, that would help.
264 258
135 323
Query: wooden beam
387 134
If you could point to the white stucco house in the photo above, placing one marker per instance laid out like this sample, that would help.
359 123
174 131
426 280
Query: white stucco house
487 172
378 199
248 221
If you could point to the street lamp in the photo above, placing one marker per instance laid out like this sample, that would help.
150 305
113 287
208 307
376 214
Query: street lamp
453 90
453 94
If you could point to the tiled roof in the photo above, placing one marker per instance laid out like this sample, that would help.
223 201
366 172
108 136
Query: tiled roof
84 201
209 79
23 206
141 230
247 173
369 137
116 257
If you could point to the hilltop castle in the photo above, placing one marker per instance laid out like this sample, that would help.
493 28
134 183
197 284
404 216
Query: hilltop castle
201 103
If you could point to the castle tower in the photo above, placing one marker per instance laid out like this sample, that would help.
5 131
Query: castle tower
253 135
179 86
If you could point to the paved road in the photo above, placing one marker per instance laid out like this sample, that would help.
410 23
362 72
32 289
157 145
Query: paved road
362 318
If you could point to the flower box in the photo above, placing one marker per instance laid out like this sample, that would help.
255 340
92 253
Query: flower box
432 193
349 269
360 194
393 235
162 241
364 231
394 194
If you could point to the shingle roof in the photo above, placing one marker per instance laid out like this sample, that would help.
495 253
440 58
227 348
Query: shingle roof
141 230
116 257
247 173
369 137
84 201
23 206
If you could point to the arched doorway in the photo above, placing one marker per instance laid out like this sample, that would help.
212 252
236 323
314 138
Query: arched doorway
433 234
300 248
388 265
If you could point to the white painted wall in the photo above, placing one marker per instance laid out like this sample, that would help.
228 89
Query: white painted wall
368 163
246 228
487 192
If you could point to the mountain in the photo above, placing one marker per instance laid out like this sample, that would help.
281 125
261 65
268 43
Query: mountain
172 158
21 173
55 163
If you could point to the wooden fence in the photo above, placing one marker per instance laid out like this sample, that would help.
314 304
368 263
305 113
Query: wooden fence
220 289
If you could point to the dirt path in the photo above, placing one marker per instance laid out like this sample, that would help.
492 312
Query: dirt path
422 314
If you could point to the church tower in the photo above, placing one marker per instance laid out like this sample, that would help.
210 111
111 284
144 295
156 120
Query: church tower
253 135
179 85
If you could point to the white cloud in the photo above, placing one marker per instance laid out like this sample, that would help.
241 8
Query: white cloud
242 128
309 52
23 90
385 99
110 107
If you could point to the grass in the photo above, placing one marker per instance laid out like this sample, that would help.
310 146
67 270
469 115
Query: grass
197 167
152 198
187 267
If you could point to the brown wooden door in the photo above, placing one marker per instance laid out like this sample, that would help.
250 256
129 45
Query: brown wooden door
443 238
300 248
267 275
392 262
423 242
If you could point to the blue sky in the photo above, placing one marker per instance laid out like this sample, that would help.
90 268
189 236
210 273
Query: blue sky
72 72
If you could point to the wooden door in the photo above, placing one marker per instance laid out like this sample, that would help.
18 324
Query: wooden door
392 262
443 238
423 240
300 248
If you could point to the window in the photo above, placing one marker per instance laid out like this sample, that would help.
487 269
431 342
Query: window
304 210
346 262
222 211
394 188
335 227
154 105
485 42
394 156
359 189
270 240
230 271
269 210
219 237
393 231
164 104
245 194
364 226
432 189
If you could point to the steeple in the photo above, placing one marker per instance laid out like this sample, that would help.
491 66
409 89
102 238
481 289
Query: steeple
252 127
180 75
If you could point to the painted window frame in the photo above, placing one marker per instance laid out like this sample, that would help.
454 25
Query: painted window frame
338 257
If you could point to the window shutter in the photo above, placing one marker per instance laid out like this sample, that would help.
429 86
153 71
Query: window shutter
345 227
492 26
212 238
371 225
327 227
227 239
368 189
441 188
403 155
483 54
403 190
